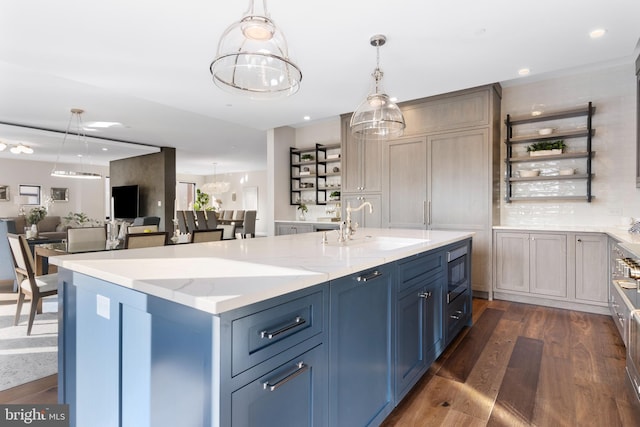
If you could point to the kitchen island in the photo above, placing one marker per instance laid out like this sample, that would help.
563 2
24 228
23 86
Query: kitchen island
247 332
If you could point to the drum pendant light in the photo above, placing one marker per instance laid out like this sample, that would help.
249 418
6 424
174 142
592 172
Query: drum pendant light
253 58
377 117
82 138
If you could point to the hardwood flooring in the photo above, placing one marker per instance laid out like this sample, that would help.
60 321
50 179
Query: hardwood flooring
526 365
520 365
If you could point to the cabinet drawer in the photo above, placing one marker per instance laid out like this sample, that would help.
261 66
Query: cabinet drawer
418 268
291 395
457 315
266 333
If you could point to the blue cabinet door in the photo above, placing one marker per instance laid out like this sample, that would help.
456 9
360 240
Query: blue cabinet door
292 395
419 332
360 352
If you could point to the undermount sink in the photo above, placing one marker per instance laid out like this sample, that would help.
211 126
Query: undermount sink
379 242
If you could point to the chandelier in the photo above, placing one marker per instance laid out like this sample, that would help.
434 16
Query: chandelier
216 187
82 137
253 58
377 116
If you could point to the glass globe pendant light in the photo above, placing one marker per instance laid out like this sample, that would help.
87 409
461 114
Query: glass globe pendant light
253 58
377 116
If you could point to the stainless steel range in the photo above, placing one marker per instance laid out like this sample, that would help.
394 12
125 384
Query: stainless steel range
624 303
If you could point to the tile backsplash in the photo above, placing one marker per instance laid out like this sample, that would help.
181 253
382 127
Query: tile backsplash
612 91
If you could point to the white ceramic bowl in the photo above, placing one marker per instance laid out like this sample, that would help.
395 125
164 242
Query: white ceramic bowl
567 171
545 131
528 173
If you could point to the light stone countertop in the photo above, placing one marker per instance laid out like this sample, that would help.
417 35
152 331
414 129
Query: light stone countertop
219 276
620 233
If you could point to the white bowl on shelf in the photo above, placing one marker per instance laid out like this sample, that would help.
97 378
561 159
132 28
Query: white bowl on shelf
545 131
567 171
528 173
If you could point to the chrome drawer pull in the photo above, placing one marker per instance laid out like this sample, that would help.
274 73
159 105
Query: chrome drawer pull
370 276
457 315
300 368
424 295
296 322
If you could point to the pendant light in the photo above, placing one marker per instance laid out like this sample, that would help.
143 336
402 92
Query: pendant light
82 137
377 117
253 58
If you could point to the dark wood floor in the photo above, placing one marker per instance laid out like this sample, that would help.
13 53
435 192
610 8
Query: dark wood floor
519 365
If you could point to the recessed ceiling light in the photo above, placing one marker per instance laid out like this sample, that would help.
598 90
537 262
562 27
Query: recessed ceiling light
307 117
105 149
597 33
524 71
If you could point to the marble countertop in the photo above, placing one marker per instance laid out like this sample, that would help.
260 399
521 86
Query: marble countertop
219 276
620 233
310 221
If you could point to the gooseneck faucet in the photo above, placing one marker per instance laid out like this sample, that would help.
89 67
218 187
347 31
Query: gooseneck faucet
349 228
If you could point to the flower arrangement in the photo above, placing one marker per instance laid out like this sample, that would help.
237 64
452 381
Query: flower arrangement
36 215
303 208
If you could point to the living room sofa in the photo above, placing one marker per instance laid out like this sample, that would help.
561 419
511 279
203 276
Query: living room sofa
50 227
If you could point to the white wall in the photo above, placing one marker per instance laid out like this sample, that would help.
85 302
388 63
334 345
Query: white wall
84 195
613 93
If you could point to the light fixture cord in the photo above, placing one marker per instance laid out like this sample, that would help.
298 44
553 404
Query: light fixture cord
377 74
64 140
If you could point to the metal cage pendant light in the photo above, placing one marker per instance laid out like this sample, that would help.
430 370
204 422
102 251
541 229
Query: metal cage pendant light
81 174
377 116
253 58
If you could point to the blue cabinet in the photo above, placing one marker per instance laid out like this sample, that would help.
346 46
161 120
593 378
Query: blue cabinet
360 348
419 311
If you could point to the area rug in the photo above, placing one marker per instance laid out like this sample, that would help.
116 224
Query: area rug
26 358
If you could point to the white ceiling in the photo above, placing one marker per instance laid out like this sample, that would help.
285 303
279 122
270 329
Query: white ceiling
145 63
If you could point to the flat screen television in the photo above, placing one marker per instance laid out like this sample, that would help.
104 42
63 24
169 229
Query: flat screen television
126 201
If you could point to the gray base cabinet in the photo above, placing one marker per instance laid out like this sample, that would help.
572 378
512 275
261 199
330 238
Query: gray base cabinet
561 269
360 348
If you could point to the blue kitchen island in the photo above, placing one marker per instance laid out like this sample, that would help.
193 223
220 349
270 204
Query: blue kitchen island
275 331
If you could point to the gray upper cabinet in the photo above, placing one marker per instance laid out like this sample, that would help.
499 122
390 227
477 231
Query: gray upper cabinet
362 162
405 183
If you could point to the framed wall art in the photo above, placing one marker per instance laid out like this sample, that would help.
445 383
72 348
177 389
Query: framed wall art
4 193
59 194
30 194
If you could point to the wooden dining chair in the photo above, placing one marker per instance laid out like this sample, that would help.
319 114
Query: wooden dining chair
249 225
146 240
35 287
86 239
201 219
212 220
199 236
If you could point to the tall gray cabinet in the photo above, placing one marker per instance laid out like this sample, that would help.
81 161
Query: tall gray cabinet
442 174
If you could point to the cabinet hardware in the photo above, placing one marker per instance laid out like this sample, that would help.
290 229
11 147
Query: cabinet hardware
296 322
580 240
429 213
424 212
300 368
373 275
424 295
456 315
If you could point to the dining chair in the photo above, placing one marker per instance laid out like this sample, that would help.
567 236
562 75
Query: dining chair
227 216
182 223
142 229
190 217
228 231
86 239
146 240
202 220
212 220
238 216
199 236
249 224
36 287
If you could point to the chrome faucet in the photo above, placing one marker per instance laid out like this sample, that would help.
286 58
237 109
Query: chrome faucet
349 228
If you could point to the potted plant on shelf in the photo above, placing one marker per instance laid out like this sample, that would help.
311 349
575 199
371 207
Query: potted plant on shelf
546 148
335 195
306 158
303 210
